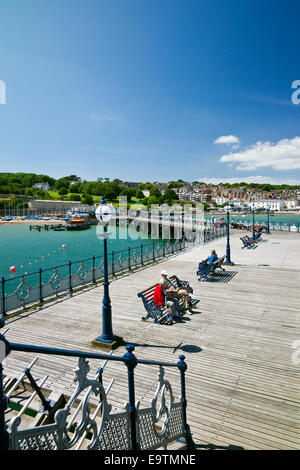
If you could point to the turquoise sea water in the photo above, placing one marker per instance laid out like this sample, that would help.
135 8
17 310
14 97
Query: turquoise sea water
30 250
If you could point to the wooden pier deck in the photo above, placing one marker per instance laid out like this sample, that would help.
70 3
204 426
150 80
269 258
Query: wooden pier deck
243 387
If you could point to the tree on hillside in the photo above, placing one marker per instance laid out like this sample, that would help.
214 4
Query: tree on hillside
170 196
87 199
63 191
155 192
140 195
74 197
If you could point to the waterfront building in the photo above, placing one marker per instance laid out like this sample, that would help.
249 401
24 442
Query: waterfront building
291 204
220 200
272 204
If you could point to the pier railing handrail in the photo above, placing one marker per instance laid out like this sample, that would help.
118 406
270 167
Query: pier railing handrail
29 348
131 362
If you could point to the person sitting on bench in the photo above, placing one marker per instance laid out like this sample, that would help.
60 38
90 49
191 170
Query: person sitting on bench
162 299
180 293
213 257
208 261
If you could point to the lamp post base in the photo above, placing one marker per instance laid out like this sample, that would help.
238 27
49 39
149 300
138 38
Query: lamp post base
230 263
108 345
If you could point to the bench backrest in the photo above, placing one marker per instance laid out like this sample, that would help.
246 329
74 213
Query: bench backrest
219 260
148 293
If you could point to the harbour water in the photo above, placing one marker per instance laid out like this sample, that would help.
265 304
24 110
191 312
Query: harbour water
30 250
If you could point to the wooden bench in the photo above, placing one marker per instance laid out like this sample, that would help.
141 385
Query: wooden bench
176 282
205 270
257 236
160 314
248 243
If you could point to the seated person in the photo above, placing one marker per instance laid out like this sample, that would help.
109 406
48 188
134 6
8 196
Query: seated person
213 257
161 299
180 293
204 265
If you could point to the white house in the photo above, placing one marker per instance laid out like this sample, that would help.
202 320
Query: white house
43 186
272 204
291 204
220 200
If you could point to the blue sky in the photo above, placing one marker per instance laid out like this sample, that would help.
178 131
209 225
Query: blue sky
141 89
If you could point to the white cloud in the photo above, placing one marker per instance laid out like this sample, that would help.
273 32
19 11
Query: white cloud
227 140
282 155
251 179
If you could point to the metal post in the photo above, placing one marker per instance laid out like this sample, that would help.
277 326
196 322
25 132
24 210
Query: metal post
188 435
129 267
70 276
131 363
142 262
107 332
3 296
41 285
94 279
268 223
253 229
153 245
228 260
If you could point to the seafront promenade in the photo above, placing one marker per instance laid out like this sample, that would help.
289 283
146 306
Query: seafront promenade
243 382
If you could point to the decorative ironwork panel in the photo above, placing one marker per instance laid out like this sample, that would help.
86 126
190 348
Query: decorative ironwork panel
57 285
82 276
115 434
22 297
40 438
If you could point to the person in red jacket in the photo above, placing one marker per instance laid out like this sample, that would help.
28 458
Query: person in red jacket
160 297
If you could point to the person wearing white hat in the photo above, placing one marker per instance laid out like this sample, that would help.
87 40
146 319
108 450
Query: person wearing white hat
175 292
161 298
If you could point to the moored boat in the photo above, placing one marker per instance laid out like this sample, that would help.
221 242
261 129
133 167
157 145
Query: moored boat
77 224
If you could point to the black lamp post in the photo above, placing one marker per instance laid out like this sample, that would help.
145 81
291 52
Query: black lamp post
228 259
268 223
107 339
253 229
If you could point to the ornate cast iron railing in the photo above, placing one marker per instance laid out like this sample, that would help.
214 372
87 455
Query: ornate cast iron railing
19 292
133 429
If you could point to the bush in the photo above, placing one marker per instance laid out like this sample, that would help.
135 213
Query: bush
74 197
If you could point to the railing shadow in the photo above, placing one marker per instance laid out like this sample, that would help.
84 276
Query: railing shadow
217 447
185 348
222 277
